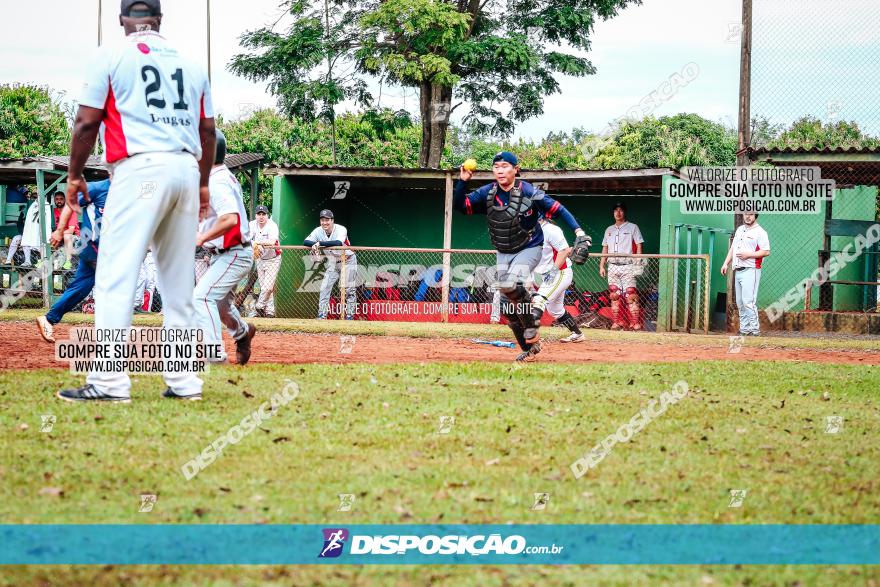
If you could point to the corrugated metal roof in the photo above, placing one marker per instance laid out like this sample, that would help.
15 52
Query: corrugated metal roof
814 151
396 170
846 166
557 181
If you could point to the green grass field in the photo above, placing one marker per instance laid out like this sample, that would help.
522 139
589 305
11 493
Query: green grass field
380 441
373 431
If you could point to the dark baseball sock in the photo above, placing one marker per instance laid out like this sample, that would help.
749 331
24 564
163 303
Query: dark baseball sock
568 321
520 337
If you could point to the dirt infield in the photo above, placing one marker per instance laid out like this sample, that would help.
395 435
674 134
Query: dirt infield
26 350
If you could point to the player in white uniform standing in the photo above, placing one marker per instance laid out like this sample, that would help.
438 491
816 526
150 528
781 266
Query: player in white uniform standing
750 245
265 234
623 237
154 112
330 234
555 274
226 236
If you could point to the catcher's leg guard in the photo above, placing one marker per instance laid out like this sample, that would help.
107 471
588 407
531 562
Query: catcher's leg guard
632 303
521 298
508 310
615 306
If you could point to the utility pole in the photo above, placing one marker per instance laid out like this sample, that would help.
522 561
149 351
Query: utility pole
330 79
99 22
743 140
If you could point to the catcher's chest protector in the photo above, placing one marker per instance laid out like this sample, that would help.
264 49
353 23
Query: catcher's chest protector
505 231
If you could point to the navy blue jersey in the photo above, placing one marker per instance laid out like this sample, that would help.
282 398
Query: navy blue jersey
93 210
542 205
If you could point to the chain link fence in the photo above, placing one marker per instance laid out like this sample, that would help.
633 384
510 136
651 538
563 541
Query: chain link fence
380 284
385 284
815 71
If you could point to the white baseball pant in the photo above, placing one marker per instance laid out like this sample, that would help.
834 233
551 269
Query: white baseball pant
212 296
334 270
747 280
623 276
267 273
165 216
552 289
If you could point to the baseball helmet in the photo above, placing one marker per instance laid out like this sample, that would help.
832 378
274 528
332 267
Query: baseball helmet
220 153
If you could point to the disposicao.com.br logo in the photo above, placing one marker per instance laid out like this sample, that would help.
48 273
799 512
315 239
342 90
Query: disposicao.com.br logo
393 544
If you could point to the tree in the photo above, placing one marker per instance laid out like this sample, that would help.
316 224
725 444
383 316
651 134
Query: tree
811 133
483 54
374 138
32 122
670 141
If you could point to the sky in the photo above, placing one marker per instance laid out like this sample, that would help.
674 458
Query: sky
642 50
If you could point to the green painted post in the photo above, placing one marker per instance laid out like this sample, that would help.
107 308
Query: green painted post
46 270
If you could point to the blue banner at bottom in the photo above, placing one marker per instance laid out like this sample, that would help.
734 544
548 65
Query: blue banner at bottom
439 544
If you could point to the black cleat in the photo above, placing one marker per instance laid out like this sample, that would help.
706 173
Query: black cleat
243 346
171 395
530 355
88 393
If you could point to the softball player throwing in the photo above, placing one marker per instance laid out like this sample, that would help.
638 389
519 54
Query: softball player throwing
226 236
555 275
512 208
154 112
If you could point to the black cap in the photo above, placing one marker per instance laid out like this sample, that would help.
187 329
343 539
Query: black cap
263 209
153 6
621 205
326 214
506 156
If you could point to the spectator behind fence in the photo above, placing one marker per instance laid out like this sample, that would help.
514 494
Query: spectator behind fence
267 258
69 232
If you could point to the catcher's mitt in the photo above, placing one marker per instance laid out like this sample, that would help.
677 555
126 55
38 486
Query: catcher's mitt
581 249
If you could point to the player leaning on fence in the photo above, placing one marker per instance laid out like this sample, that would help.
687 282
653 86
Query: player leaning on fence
330 234
750 245
512 208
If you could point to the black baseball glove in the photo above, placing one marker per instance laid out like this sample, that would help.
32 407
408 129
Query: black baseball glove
581 249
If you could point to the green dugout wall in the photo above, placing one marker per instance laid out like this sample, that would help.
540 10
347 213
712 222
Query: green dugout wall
391 207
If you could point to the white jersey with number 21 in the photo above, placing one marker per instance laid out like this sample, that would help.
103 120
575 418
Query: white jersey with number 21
152 97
